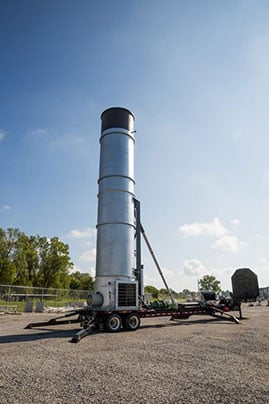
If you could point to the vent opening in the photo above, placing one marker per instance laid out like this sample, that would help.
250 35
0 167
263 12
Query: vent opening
127 294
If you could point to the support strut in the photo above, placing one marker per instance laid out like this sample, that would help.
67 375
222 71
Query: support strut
156 262
84 332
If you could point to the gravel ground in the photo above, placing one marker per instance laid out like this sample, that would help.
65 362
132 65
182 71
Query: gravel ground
200 360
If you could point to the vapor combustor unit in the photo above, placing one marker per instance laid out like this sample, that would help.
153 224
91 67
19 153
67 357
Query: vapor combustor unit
116 285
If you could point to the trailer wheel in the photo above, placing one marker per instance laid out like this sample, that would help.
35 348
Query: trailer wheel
132 322
113 323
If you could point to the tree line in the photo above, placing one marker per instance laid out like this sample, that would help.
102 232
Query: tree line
42 262
38 261
208 282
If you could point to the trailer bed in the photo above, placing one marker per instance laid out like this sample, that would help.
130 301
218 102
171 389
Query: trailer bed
115 320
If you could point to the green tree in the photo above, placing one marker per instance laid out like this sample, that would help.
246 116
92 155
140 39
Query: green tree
36 261
54 263
7 272
81 281
8 239
20 260
163 292
13 264
186 292
226 293
152 290
32 259
209 282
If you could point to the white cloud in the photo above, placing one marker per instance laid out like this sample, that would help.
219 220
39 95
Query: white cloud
2 135
235 223
227 244
214 228
228 271
167 272
6 207
74 269
89 256
68 141
92 272
193 267
39 133
87 232
261 237
153 279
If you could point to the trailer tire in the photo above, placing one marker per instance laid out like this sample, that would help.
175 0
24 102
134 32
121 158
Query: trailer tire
132 322
113 323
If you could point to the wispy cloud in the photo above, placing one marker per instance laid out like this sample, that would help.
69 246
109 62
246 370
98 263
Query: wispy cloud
89 256
225 241
214 228
68 141
74 269
38 135
228 244
167 272
58 142
6 207
235 223
2 135
86 232
193 267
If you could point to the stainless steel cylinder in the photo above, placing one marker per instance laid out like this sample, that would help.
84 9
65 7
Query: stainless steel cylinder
116 222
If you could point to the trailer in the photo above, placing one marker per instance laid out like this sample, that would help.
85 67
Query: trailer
118 298
117 320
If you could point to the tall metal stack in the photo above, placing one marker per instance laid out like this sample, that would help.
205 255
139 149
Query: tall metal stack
115 284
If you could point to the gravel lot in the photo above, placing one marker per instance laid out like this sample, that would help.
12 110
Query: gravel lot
200 360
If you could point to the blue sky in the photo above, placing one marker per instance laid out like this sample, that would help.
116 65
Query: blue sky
196 76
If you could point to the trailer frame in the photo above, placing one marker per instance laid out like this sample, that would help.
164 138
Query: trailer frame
91 319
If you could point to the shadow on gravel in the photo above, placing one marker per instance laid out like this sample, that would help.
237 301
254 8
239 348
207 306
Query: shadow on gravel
189 323
48 333
8 339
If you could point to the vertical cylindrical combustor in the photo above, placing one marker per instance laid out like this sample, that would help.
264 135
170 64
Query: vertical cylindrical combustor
116 222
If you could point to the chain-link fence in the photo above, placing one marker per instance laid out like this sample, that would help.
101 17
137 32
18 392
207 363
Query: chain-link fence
27 298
